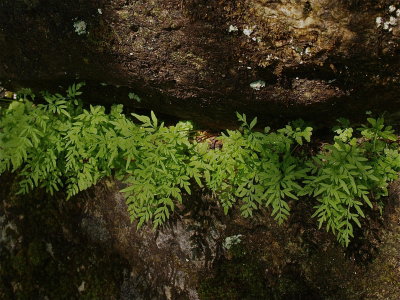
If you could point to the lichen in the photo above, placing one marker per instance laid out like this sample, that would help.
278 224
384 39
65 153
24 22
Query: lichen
390 21
233 28
257 85
80 27
231 241
247 31
240 277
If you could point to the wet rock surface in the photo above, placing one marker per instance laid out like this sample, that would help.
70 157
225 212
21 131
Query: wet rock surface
193 59
89 248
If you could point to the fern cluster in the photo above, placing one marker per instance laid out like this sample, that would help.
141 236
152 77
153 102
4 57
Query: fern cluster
258 169
60 145
344 176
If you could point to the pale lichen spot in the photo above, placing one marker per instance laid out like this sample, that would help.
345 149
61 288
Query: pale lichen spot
378 21
386 25
80 27
81 288
231 241
247 31
257 85
232 28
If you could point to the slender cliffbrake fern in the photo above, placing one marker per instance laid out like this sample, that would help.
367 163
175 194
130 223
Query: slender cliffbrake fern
60 145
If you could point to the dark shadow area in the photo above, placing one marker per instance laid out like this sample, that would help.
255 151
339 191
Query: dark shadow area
44 255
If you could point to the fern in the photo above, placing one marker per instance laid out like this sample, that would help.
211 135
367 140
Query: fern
257 168
59 145
345 175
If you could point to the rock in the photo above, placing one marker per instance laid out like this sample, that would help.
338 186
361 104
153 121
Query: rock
181 59
46 255
187 259
168 260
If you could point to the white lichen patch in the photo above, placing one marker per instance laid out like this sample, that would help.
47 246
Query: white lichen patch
231 241
80 27
386 25
256 39
247 31
233 28
393 21
378 21
99 11
257 85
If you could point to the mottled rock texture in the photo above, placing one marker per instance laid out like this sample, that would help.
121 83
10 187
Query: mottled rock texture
196 59
88 248
187 260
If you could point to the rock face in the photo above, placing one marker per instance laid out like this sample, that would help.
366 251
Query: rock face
203 60
167 262
205 255
88 247
43 255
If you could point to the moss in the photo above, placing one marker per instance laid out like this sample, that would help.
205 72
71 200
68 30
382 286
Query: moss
189 59
240 277
123 14
36 253
19 263
244 274
100 37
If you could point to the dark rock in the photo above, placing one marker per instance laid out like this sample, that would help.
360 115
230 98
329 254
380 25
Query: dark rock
88 247
319 59
249 258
